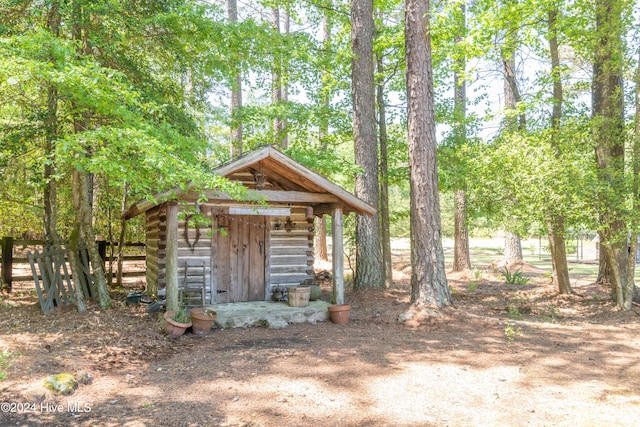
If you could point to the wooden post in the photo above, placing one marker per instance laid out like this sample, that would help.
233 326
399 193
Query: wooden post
171 272
7 262
337 255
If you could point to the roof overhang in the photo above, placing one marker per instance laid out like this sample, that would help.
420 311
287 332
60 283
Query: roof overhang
311 187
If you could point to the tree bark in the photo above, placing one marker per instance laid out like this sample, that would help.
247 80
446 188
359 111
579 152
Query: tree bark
555 222
236 93
284 88
84 217
276 79
323 131
368 250
512 243
609 138
384 181
121 237
73 248
428 280
51 129
512 248
461 255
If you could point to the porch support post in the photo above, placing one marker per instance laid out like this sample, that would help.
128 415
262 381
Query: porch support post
171 272
337 256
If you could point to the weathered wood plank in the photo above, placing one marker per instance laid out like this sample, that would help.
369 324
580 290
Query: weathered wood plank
256 262
281 279
244 256
279 260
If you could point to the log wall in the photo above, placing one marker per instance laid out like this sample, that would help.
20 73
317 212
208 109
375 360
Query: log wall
289 253
290 260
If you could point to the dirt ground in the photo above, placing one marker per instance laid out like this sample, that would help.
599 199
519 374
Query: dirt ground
504 355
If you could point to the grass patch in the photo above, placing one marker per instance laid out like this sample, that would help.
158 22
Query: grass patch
5 362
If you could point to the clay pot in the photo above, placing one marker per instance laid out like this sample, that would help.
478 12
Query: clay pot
202 319
172 327
339 313
314 292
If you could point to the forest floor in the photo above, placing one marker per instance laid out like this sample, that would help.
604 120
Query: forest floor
503 355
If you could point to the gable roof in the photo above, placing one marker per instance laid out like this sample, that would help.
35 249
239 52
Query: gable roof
286 176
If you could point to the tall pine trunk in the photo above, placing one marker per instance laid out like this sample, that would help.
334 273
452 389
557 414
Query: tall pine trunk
512 242
320 240
369 272
461 255
428 280
236 92
384 181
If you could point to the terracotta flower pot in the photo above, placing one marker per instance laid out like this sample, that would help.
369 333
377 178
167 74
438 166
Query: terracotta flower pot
202 319
173 328
339 313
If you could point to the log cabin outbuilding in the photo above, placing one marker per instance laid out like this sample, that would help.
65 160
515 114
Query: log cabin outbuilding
245 250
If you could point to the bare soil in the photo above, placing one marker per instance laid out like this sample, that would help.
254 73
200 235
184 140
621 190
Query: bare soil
511 355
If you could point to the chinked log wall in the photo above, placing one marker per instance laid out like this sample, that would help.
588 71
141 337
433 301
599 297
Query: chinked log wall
289 261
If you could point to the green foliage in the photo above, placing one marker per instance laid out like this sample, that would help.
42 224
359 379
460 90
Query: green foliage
181 316
513 312
514 278
5 362
511 331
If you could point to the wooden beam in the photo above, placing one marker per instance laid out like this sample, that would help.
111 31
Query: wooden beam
337 256
273 196
242 210
172 256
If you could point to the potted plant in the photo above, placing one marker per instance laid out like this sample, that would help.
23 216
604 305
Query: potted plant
202 320
176 322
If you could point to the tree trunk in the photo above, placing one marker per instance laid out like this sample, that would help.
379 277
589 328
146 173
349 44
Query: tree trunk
284 88
51 129
236 93
121 238
82 207
323 131
73 248
555 229
428 280
276 78
368 250
609 139
384 182
512 244
512 248
555 222
461 256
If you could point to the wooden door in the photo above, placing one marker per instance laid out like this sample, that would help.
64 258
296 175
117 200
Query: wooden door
239 255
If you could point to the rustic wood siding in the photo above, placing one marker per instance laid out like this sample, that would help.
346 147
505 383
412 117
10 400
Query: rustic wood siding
290 253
